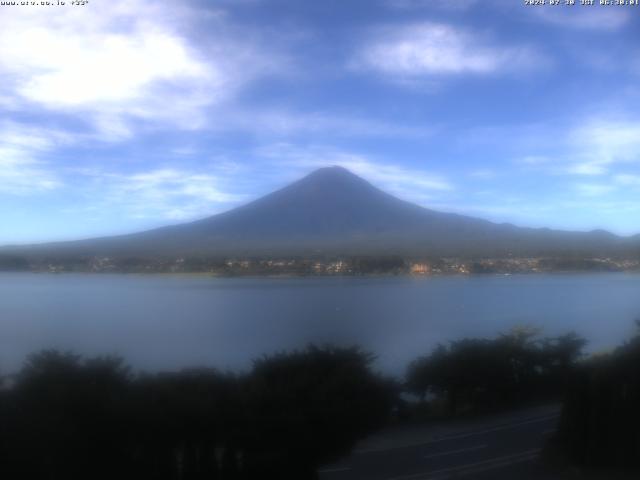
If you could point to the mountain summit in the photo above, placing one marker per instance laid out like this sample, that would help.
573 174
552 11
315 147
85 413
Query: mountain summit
332 211
327 204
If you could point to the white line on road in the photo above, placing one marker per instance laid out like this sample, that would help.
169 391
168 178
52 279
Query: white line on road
470 468
453 452
462 435
335 470
494 429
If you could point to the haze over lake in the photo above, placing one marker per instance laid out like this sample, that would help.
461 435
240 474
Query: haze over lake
170 322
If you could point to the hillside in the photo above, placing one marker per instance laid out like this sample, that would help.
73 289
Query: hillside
332 211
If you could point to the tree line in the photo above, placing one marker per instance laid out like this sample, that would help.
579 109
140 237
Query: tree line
600 422
63 416
475 375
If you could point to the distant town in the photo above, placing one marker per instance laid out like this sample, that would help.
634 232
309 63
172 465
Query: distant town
365 265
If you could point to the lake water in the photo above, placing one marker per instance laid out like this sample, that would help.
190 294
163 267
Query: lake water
169 322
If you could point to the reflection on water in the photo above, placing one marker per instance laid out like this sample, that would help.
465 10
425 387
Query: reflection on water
168 322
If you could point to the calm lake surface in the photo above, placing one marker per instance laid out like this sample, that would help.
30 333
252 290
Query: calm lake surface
170 322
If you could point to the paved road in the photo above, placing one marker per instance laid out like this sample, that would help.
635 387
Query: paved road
501 447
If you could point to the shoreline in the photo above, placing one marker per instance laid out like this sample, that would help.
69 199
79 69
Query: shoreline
337 275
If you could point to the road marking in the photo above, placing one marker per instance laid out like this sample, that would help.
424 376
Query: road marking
453 452
462 435
494 429
335 470
470 468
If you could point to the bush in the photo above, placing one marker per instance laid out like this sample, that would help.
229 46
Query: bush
482 374
72 418
600 422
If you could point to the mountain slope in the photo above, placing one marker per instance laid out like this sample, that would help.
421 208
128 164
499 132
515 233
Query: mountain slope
333 211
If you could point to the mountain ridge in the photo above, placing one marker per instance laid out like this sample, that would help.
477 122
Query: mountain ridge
333 211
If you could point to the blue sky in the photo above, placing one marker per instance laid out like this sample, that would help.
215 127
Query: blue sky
119 116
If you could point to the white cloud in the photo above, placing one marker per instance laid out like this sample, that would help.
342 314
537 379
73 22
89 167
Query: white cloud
599 144
22 175
103 69
34 139
428 49
594 189
163 193
397 178
587 167
483 174
287 122
611 140
627 179
409 183
21 171
594 145
534 160
504 210
117 63
108 71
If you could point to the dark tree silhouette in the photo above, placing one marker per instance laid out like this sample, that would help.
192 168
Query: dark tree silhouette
66 416
483 374
72 418
311 407
600 422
